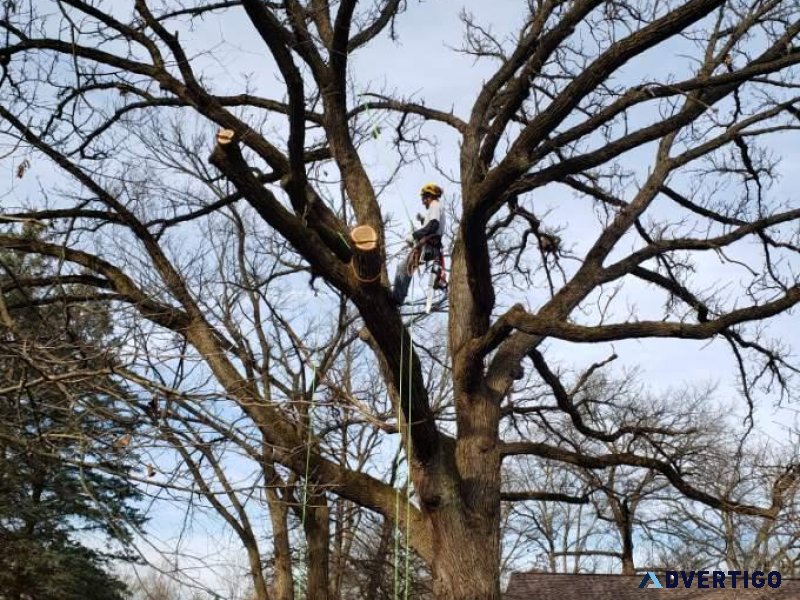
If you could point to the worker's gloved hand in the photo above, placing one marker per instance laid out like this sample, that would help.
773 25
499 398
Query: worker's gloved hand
410 240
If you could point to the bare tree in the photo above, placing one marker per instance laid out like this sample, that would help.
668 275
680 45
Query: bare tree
591 518
717 539
153 585
114 100
556 532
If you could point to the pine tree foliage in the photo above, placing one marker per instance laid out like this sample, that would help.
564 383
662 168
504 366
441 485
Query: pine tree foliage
63 483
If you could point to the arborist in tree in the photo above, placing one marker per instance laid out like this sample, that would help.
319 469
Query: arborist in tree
426 245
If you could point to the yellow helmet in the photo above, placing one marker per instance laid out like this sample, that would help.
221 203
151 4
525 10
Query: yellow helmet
431 189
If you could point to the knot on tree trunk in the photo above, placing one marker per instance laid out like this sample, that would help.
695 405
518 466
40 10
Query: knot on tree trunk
366 260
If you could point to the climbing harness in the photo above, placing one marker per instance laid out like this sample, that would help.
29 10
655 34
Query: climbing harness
428 251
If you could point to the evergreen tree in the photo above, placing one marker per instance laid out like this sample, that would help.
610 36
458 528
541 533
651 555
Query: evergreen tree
62 467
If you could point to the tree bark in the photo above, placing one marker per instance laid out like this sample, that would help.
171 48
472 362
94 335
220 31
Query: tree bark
624 517
466 526
283 582
317 532
467 561
628 566
377 570
256 570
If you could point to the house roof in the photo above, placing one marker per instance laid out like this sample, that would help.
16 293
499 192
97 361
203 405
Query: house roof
569 586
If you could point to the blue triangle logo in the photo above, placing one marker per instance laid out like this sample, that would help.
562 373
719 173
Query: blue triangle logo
650 581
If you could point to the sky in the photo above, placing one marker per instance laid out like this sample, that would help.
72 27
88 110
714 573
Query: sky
422 64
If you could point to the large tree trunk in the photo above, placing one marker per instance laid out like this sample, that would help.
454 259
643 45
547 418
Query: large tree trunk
467 561
466 526
283 583
317 532
466 521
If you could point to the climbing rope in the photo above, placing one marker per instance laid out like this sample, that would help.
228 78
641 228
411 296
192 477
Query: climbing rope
404 386
409 451
362 279
308 442
414 259
397 496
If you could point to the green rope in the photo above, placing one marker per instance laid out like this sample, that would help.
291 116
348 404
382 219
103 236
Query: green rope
344 240
308 443
397 496
409 452
375 131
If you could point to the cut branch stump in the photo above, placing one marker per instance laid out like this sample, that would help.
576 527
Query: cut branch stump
366 261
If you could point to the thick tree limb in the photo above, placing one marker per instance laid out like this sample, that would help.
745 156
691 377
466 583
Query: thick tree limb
672 474
543 497
517 318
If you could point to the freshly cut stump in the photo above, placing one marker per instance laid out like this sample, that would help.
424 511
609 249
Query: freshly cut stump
225 136
366 254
